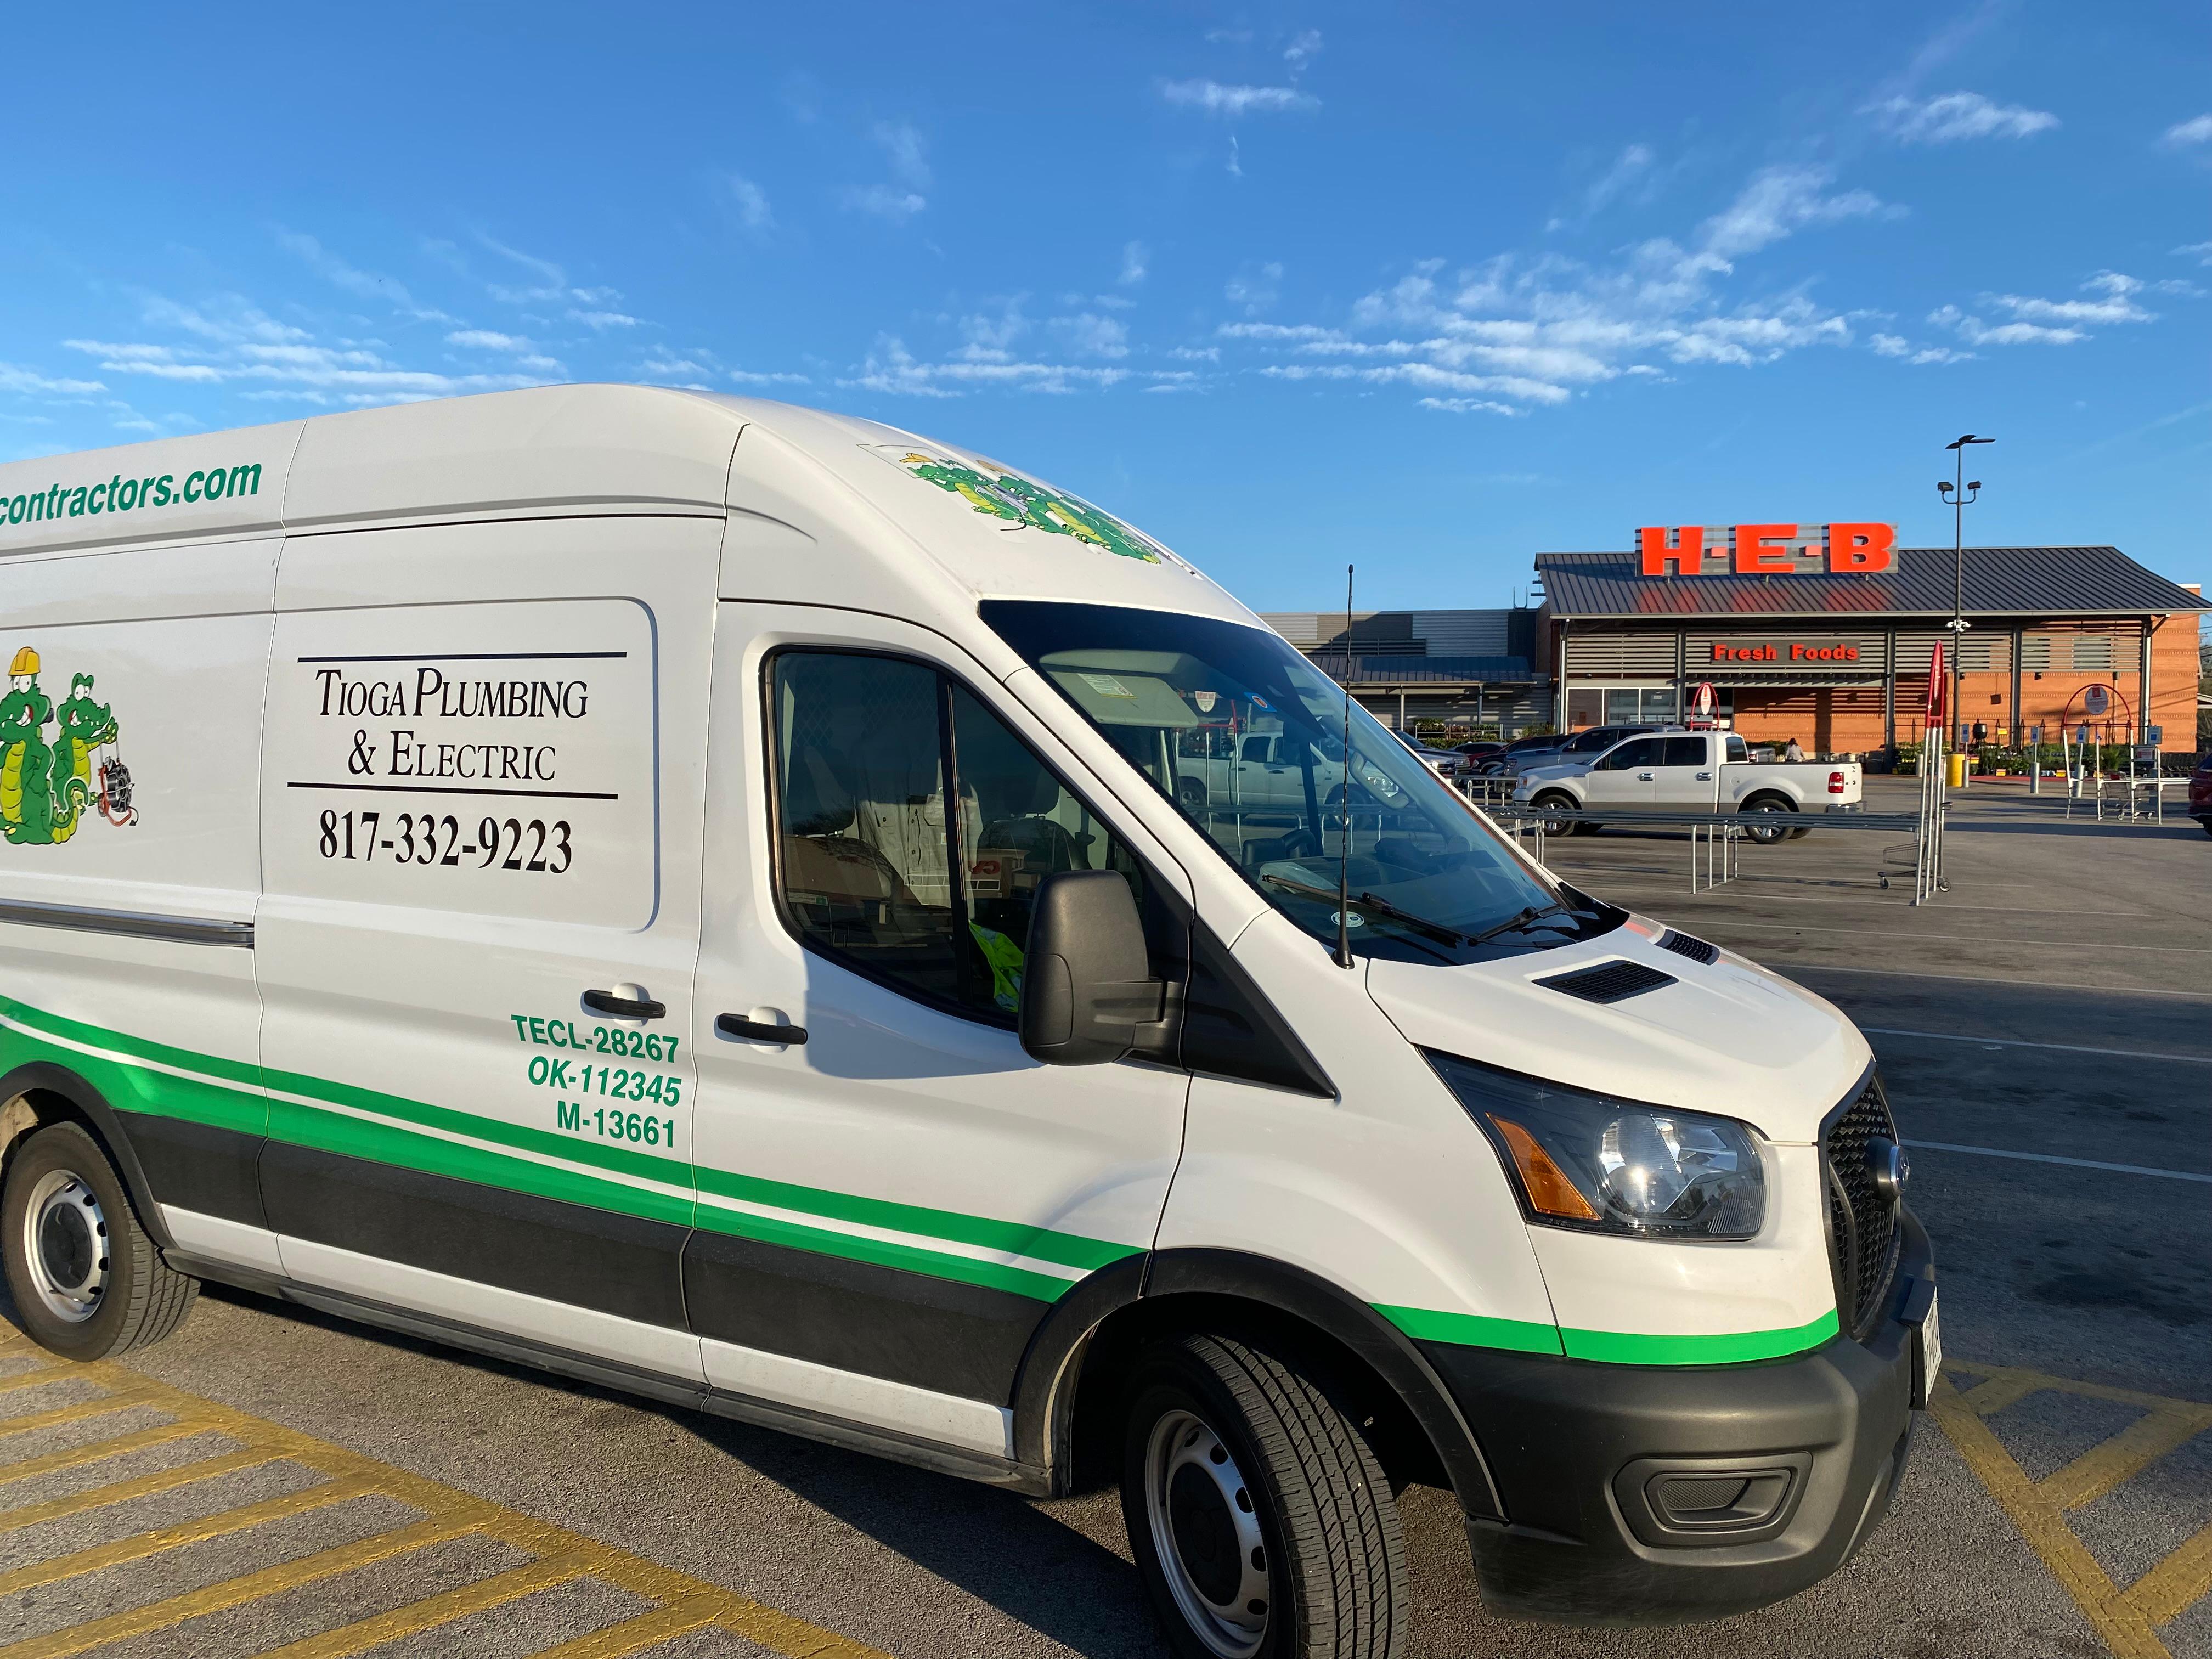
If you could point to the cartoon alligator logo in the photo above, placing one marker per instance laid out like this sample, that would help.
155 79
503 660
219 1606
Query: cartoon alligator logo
46 787
1023 503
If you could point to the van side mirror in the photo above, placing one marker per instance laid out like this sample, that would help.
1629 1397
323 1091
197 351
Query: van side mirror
1088 996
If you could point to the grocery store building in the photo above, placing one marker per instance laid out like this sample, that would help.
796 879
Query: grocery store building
1824 634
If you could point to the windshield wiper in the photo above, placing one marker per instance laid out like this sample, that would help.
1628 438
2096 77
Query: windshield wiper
1368 901
1514 923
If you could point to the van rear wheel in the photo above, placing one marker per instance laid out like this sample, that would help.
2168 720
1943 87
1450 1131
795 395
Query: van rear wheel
87 1281
1260 1518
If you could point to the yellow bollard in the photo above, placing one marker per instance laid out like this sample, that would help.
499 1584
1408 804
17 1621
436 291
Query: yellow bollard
1958 778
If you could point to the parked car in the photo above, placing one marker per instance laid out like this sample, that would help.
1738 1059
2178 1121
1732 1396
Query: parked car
1479 748
2200 792
1269 770
1445 762
1491 765
1708 771
1573 747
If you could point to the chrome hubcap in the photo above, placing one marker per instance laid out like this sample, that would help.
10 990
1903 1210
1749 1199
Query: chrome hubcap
1206 1530
65 1246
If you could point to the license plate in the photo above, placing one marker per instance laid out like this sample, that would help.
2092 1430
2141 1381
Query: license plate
1928 1352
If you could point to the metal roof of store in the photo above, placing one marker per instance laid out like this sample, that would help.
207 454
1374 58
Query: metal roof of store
1390 670
2007 581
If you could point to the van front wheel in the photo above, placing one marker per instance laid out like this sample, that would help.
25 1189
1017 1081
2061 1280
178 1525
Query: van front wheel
86 1280
1260 1518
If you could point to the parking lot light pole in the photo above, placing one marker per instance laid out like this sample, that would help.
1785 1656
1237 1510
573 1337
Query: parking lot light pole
1962 494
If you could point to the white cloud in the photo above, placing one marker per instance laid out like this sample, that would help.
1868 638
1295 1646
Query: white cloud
1213 98
749 202
885 202
1630 167
890 367
363 284
2034 321
1955 115
1304 47
2200 252
553 284
1090 335
1536 329
1778 201
1941 355
754 377
27 380
1471 405
600 321
1890 345
903 144
1253 288
484 339
1195 354
1136 258
2198 130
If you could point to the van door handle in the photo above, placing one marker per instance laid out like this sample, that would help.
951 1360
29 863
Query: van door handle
622 1007
754 1030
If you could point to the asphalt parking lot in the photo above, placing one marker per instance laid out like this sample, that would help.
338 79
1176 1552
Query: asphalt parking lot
270 1480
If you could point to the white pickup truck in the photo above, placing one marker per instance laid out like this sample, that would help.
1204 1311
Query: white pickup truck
1692 772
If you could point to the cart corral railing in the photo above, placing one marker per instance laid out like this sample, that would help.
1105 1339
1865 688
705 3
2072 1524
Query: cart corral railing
1716 838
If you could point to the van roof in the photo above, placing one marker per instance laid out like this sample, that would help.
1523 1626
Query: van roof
563 450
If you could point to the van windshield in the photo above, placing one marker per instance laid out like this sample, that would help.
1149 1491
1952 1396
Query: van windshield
1246 738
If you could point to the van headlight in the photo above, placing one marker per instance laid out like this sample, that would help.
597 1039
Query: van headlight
1589 1161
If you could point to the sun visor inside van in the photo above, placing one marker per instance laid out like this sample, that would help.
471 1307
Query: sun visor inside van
1122 698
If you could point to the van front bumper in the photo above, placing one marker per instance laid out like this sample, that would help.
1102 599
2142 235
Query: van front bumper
1585 1458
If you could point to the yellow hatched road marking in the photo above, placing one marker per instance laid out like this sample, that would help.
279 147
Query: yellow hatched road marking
122 1492
686 1604
2125 1621
141 1545
29 1467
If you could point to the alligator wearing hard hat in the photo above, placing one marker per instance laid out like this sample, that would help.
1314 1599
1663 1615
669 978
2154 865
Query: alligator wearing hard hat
23 715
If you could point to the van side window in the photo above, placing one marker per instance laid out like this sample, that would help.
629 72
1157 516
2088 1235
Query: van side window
874 871
1739 753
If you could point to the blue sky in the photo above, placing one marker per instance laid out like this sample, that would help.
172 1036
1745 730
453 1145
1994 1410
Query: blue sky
1428 287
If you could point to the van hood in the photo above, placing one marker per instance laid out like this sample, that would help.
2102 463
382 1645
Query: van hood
1730 1038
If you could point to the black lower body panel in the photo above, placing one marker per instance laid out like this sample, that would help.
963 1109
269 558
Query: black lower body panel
1590 1460
573 1253
935 1333
197 1167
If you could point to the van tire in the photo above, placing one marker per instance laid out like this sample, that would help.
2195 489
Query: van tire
1328 1568
59 1175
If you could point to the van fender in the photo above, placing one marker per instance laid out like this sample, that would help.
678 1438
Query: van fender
45 1077
1044 1398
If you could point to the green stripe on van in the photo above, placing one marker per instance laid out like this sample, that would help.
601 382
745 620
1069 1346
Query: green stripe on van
228 1094
1473 1330
1629 1348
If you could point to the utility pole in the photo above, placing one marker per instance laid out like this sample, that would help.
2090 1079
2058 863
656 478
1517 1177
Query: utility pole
1962 494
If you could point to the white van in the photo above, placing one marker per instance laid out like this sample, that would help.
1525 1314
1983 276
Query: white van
694 894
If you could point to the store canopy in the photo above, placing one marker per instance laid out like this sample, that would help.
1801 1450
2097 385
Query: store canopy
1433 674
2000 581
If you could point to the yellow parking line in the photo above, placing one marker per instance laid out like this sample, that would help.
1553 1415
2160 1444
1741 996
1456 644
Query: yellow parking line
139 1546
2126 1621
686 1603
121 1400
122 1492
2166 1592
29 1467
234 1592
646 1630
2126 1455
428 1614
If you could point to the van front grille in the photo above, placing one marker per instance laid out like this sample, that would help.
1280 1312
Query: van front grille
1863 1236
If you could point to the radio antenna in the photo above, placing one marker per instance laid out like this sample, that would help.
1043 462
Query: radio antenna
1344 801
